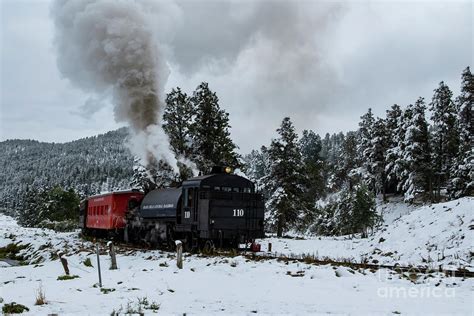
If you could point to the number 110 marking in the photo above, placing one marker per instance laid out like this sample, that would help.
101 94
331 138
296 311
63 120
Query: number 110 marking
238 212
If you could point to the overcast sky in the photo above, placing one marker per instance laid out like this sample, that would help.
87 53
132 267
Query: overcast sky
321 63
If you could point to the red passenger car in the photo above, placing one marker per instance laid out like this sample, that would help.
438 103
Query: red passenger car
107 211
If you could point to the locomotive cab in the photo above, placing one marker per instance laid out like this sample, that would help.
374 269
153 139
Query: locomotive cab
222 208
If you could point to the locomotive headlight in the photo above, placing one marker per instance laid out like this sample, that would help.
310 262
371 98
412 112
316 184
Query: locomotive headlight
228 169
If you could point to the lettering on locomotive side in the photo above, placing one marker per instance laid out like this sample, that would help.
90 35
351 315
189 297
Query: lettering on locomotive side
153 206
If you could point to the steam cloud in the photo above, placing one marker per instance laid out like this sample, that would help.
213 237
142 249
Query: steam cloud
266 59
110 45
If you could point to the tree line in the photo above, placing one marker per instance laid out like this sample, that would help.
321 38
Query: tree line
400 154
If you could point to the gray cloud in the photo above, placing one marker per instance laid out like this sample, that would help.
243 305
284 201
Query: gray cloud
322 63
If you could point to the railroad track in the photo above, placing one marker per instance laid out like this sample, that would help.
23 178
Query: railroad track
459 273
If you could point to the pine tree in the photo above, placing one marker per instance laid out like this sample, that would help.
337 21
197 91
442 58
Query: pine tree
417 153
348 170
310 148
211 135
462 171
445 135
350 212
178 120
325 147
285 183
364 213
401 166
364 149
377 156
393 124
257 166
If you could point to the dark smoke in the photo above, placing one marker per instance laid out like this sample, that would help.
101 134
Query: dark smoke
111 44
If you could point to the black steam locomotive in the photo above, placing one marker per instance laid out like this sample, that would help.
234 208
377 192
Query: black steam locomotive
220 209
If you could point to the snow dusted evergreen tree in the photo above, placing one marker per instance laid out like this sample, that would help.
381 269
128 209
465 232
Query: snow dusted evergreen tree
401 165
462 171
351 212
416 153
286 202
211 135
377 156
177 121
257 167
178 118
445 135
325 147
310 144
348 170
364 148
393 124
335 152
310 147
331 155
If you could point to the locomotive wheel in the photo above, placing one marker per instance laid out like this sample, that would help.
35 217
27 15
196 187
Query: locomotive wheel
209 247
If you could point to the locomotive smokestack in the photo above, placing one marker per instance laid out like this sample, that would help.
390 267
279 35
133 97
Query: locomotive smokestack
106 45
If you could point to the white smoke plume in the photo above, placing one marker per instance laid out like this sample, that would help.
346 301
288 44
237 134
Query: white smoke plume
111 45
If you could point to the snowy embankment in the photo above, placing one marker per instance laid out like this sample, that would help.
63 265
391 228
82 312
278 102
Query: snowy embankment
149 281
431 235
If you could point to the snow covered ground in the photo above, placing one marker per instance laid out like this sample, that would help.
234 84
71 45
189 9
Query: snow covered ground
150 280
438 234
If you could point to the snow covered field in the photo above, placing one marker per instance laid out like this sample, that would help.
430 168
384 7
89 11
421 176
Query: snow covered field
150 281
440 234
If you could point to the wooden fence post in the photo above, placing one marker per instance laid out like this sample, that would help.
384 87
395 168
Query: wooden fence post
269 247
98 266
113 259
179 254
63 262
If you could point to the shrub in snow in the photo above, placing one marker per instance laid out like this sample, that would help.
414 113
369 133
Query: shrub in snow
14 308
40 297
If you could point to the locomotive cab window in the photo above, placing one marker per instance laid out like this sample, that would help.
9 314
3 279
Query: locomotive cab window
247 190
188 196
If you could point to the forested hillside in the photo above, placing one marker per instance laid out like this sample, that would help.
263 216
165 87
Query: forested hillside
87 165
